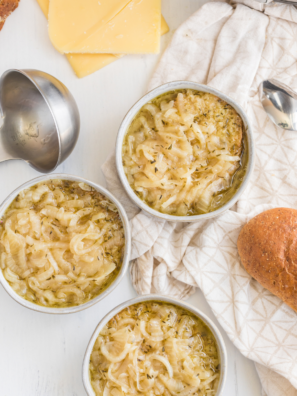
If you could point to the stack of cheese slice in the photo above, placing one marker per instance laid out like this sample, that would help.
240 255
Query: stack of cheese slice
93 34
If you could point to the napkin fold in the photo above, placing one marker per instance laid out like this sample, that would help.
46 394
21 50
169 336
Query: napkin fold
232 48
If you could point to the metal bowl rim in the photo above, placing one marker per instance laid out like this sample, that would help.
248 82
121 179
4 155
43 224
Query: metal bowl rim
61 311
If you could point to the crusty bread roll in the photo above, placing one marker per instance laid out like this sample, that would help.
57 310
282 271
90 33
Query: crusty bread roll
267 246
6 8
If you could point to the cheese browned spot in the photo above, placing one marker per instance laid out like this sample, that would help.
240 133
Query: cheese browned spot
6 8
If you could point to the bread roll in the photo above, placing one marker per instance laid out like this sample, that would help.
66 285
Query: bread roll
267 246
6 8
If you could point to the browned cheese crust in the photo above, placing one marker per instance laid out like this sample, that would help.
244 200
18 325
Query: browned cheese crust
6 8
267 246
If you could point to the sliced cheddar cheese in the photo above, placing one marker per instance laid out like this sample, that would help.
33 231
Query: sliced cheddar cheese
164 26
105 26
44 5
86 64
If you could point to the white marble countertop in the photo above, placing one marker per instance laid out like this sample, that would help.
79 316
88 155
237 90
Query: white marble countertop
41 355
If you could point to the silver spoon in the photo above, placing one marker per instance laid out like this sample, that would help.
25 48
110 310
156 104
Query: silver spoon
290 2
280 103
39 119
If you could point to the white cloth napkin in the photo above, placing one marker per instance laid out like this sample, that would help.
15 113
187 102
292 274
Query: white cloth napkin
232 49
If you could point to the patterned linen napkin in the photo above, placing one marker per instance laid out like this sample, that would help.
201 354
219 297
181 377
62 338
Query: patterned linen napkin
232 49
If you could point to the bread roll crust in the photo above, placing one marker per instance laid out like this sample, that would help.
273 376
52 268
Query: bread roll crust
6 8
267 246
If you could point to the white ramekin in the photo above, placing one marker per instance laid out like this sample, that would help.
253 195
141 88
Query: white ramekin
174 85
125 263
155 297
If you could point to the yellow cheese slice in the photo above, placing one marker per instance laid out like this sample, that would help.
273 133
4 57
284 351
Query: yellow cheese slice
86 64
44 5
105 26
70 20
164 26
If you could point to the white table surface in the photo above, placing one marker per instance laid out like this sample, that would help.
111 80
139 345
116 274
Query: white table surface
41 355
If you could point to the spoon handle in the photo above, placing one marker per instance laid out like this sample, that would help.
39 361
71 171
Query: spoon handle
289 2
293 3
4 154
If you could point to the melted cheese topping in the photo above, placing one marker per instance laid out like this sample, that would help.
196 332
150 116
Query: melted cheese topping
61 243
155 349
183 153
